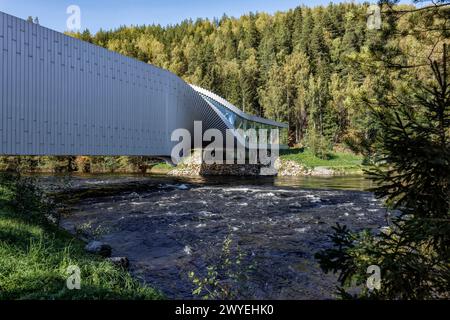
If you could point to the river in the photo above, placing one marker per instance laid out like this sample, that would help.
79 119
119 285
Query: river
169 227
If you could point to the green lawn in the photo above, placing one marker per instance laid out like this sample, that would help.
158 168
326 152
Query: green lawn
338 160
34 257
161 168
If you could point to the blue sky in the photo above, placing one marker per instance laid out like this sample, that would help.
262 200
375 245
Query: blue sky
114 13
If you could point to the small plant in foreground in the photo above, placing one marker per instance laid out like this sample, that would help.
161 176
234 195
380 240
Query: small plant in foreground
29 200
227 279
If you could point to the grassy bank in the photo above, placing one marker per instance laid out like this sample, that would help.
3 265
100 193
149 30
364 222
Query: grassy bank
339 161
161 168
35 254
82 164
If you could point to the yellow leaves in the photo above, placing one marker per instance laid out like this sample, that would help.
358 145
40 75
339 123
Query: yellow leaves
153 49
349 16
117 46
297 67
262 22
250 65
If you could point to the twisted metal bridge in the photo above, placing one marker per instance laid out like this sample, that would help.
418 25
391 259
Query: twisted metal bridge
62 96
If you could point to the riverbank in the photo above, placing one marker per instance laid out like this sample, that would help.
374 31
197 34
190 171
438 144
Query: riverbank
298 162
82 164
35 255
291 163
168 227
306 164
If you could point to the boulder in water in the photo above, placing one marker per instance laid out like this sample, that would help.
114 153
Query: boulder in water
100 248
121 262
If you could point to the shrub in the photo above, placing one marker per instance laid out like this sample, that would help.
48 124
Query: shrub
318 145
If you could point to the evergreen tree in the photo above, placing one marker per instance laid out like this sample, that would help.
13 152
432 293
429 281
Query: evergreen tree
414 253
297 26
307 29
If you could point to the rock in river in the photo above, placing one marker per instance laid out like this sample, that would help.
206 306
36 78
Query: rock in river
121 262
100 248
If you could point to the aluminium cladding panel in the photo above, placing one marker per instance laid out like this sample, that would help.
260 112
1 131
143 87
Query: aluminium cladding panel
62 96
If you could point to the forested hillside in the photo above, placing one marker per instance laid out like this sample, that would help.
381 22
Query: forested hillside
308 66
294 66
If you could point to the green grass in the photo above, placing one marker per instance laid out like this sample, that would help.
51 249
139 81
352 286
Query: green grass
338 160
161 168
34 257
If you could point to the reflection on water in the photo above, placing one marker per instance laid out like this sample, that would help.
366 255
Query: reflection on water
353 182
356 182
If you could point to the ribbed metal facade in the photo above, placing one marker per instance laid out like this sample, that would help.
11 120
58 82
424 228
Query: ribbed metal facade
63 96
